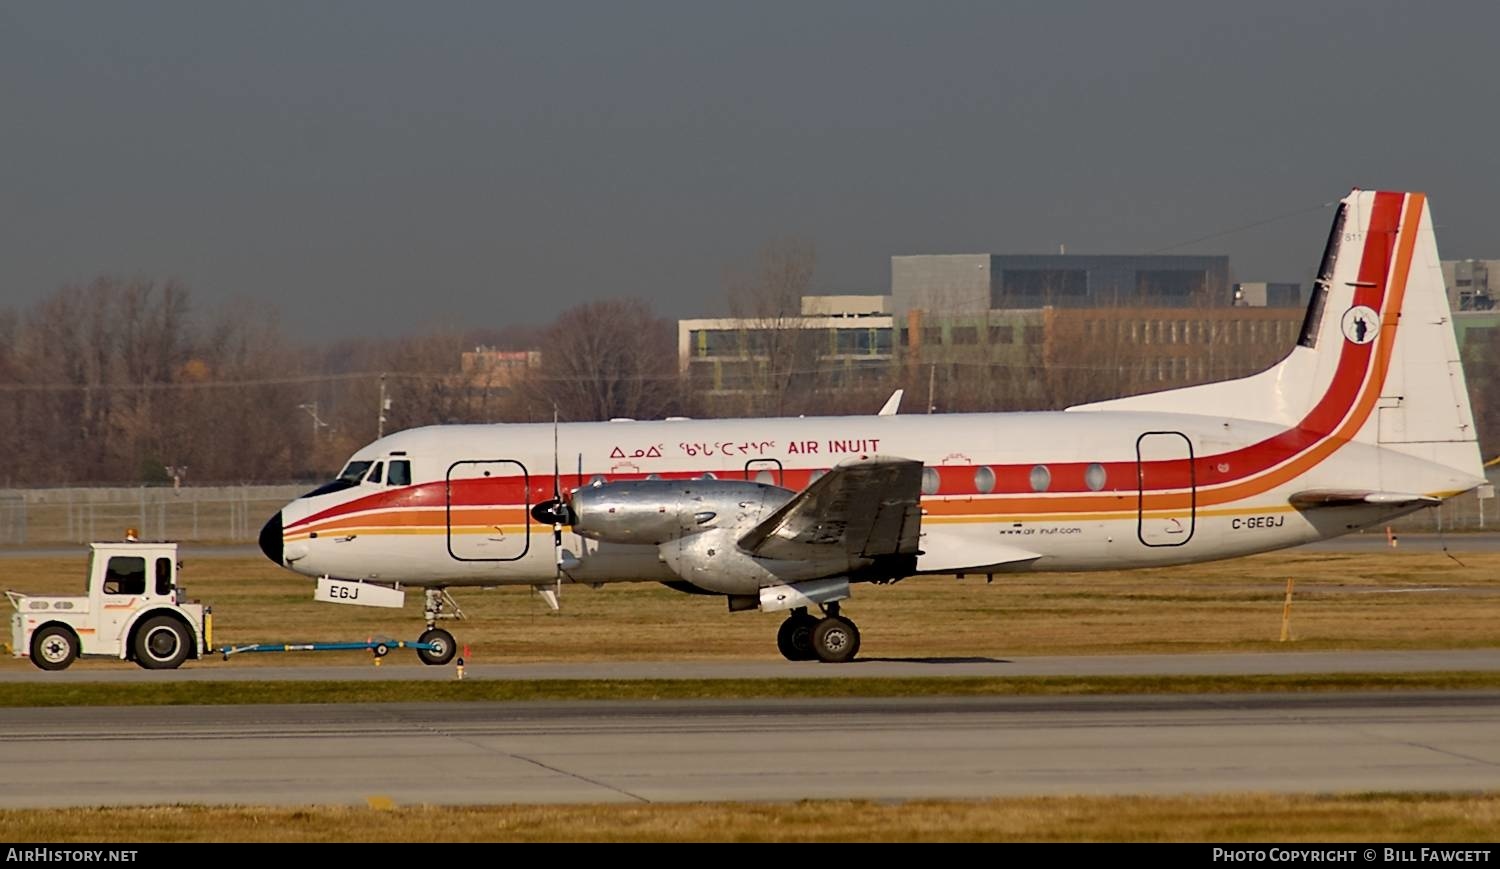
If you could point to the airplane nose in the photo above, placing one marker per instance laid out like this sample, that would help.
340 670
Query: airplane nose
270 538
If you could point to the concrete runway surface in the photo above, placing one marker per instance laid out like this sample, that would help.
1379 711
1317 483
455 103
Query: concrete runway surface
402 665
477 753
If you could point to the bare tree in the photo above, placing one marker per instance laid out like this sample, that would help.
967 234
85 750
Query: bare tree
607 359
1482 373
779 353
243 422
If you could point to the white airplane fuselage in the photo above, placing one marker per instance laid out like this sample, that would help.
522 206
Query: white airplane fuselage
1366 419
1232 501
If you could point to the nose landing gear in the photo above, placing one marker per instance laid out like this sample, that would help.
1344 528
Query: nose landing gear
444 647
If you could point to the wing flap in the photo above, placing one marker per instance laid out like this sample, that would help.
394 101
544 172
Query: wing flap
863 509
1315 498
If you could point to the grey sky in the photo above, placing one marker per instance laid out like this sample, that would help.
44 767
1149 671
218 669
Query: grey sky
377 167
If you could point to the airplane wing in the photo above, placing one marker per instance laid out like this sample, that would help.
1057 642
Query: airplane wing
1314 498
862 509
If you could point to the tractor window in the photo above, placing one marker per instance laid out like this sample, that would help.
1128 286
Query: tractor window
163 576
400 474
126 574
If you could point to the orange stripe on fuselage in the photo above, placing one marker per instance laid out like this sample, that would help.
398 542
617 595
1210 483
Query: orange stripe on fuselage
425 518
496 515
1341 425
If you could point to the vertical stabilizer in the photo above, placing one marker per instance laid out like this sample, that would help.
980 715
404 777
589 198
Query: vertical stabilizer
1422 407
1376 360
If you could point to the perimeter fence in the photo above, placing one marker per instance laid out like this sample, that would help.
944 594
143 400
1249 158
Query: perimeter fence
200 514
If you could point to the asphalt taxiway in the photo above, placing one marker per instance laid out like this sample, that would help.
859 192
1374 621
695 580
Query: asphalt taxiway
478 753
401 665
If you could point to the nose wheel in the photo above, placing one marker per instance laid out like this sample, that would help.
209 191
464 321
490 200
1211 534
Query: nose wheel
443 647
832 640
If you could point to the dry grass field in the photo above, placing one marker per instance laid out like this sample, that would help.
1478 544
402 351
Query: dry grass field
1233 818
1390 600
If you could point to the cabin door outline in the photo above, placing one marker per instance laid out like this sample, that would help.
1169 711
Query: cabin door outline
755 468
1158 455
467 498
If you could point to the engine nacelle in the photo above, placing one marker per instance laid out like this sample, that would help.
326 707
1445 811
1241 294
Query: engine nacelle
652 512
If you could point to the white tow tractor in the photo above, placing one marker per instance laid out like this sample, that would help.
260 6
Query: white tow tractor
134 610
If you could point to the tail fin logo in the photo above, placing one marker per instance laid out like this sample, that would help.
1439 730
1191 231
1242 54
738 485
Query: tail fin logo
1361 324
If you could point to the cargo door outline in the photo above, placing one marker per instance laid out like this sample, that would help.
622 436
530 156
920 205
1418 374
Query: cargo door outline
474 544
1156 448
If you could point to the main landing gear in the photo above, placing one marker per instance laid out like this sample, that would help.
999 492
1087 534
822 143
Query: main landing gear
444 646
804 637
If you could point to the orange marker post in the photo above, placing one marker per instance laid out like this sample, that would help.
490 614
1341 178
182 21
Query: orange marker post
1286 613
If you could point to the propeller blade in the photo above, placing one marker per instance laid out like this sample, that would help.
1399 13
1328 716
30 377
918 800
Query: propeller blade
559 510
556 470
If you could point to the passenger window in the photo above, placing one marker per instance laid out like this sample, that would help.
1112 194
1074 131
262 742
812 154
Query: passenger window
984 480
1041 478
126 574
400 473
163 576
930 481
375 473
1095 477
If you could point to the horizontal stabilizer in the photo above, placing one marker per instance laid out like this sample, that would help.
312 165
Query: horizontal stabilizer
1313 498
951 552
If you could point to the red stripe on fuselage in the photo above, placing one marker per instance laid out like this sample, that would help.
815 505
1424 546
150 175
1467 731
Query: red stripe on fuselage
1352 373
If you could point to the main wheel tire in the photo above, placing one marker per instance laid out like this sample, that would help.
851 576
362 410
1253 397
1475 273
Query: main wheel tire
835 640
794 639
54 647
444 647
161 643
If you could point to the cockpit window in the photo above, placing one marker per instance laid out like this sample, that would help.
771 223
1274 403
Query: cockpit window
348 478
375 475
400 474
354 472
